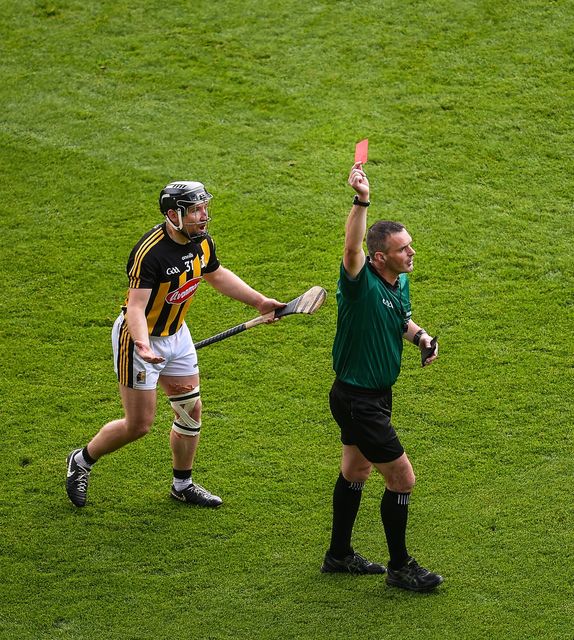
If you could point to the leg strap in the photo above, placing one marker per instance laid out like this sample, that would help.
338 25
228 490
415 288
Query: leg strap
183 405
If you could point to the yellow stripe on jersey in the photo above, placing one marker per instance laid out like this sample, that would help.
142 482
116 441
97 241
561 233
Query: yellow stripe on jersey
196 267
206 253
175 308
185 307
158 304
135 272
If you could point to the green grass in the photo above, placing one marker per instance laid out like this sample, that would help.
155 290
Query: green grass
468 108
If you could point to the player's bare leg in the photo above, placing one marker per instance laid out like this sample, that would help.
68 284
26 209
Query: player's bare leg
183 449
139 408
183 392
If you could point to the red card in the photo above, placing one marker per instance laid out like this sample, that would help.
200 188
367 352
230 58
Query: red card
362 151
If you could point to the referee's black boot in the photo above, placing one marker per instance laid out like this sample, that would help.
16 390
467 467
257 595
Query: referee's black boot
413 577
353 563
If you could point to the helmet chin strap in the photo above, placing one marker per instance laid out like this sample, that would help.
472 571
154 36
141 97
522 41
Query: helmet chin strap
177 227
181 228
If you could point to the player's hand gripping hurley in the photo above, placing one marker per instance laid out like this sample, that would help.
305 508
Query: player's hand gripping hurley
308 303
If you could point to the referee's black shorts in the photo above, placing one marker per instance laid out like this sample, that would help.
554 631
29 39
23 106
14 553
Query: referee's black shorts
364 417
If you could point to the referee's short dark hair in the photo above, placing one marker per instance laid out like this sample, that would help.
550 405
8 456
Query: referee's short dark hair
378 233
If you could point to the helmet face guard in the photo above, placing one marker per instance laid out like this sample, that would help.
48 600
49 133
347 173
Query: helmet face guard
179 196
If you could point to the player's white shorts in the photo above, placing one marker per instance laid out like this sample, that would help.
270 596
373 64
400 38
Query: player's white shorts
178 351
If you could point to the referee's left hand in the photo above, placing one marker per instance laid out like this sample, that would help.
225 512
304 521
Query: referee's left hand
425 343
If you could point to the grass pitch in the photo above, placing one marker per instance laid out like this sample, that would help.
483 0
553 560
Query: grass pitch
468 108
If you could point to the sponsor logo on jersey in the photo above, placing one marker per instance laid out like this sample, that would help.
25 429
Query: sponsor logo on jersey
183 293
387 303
172 271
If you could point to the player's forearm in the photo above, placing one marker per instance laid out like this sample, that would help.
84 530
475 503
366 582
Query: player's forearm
231 285
135 314
137 325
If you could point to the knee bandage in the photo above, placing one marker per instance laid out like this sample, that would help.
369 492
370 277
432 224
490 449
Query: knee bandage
183 405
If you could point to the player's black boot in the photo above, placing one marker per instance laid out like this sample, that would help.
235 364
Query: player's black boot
413 577
77 481
196 494
353 563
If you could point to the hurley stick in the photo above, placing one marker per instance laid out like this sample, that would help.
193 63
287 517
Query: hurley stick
307 302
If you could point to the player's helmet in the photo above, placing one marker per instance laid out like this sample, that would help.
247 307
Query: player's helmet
180 195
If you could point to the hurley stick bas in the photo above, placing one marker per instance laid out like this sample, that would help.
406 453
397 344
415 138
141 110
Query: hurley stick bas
307 302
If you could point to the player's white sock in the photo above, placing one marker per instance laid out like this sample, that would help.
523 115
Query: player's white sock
180 484
79 459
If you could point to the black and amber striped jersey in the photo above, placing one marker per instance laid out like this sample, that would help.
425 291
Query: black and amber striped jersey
173 272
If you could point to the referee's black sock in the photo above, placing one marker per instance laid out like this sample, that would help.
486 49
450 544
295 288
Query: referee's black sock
346 501
394 514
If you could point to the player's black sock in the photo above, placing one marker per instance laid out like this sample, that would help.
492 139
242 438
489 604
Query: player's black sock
181 478
394 514
84 459
87 457
346 501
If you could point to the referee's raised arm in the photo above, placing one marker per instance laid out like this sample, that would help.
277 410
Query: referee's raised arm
356 227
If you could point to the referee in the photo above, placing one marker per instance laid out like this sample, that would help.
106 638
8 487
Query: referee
374 316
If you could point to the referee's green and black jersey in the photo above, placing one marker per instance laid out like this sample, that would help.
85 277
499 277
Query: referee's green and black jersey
173 272
372 317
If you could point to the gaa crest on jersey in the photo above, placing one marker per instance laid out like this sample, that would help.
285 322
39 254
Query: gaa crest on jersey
183 293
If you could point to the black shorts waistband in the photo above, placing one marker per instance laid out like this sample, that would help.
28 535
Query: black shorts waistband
361 391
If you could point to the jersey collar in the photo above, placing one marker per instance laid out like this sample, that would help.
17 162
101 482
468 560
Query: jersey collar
393 287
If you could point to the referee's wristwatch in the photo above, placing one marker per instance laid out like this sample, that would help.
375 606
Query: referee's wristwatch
361 203
417 337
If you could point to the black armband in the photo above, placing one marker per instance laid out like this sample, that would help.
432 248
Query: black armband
417 337
360 203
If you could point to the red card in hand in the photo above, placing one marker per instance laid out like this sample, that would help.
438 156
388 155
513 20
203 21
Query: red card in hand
362 151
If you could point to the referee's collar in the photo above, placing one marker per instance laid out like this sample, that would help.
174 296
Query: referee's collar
394 286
